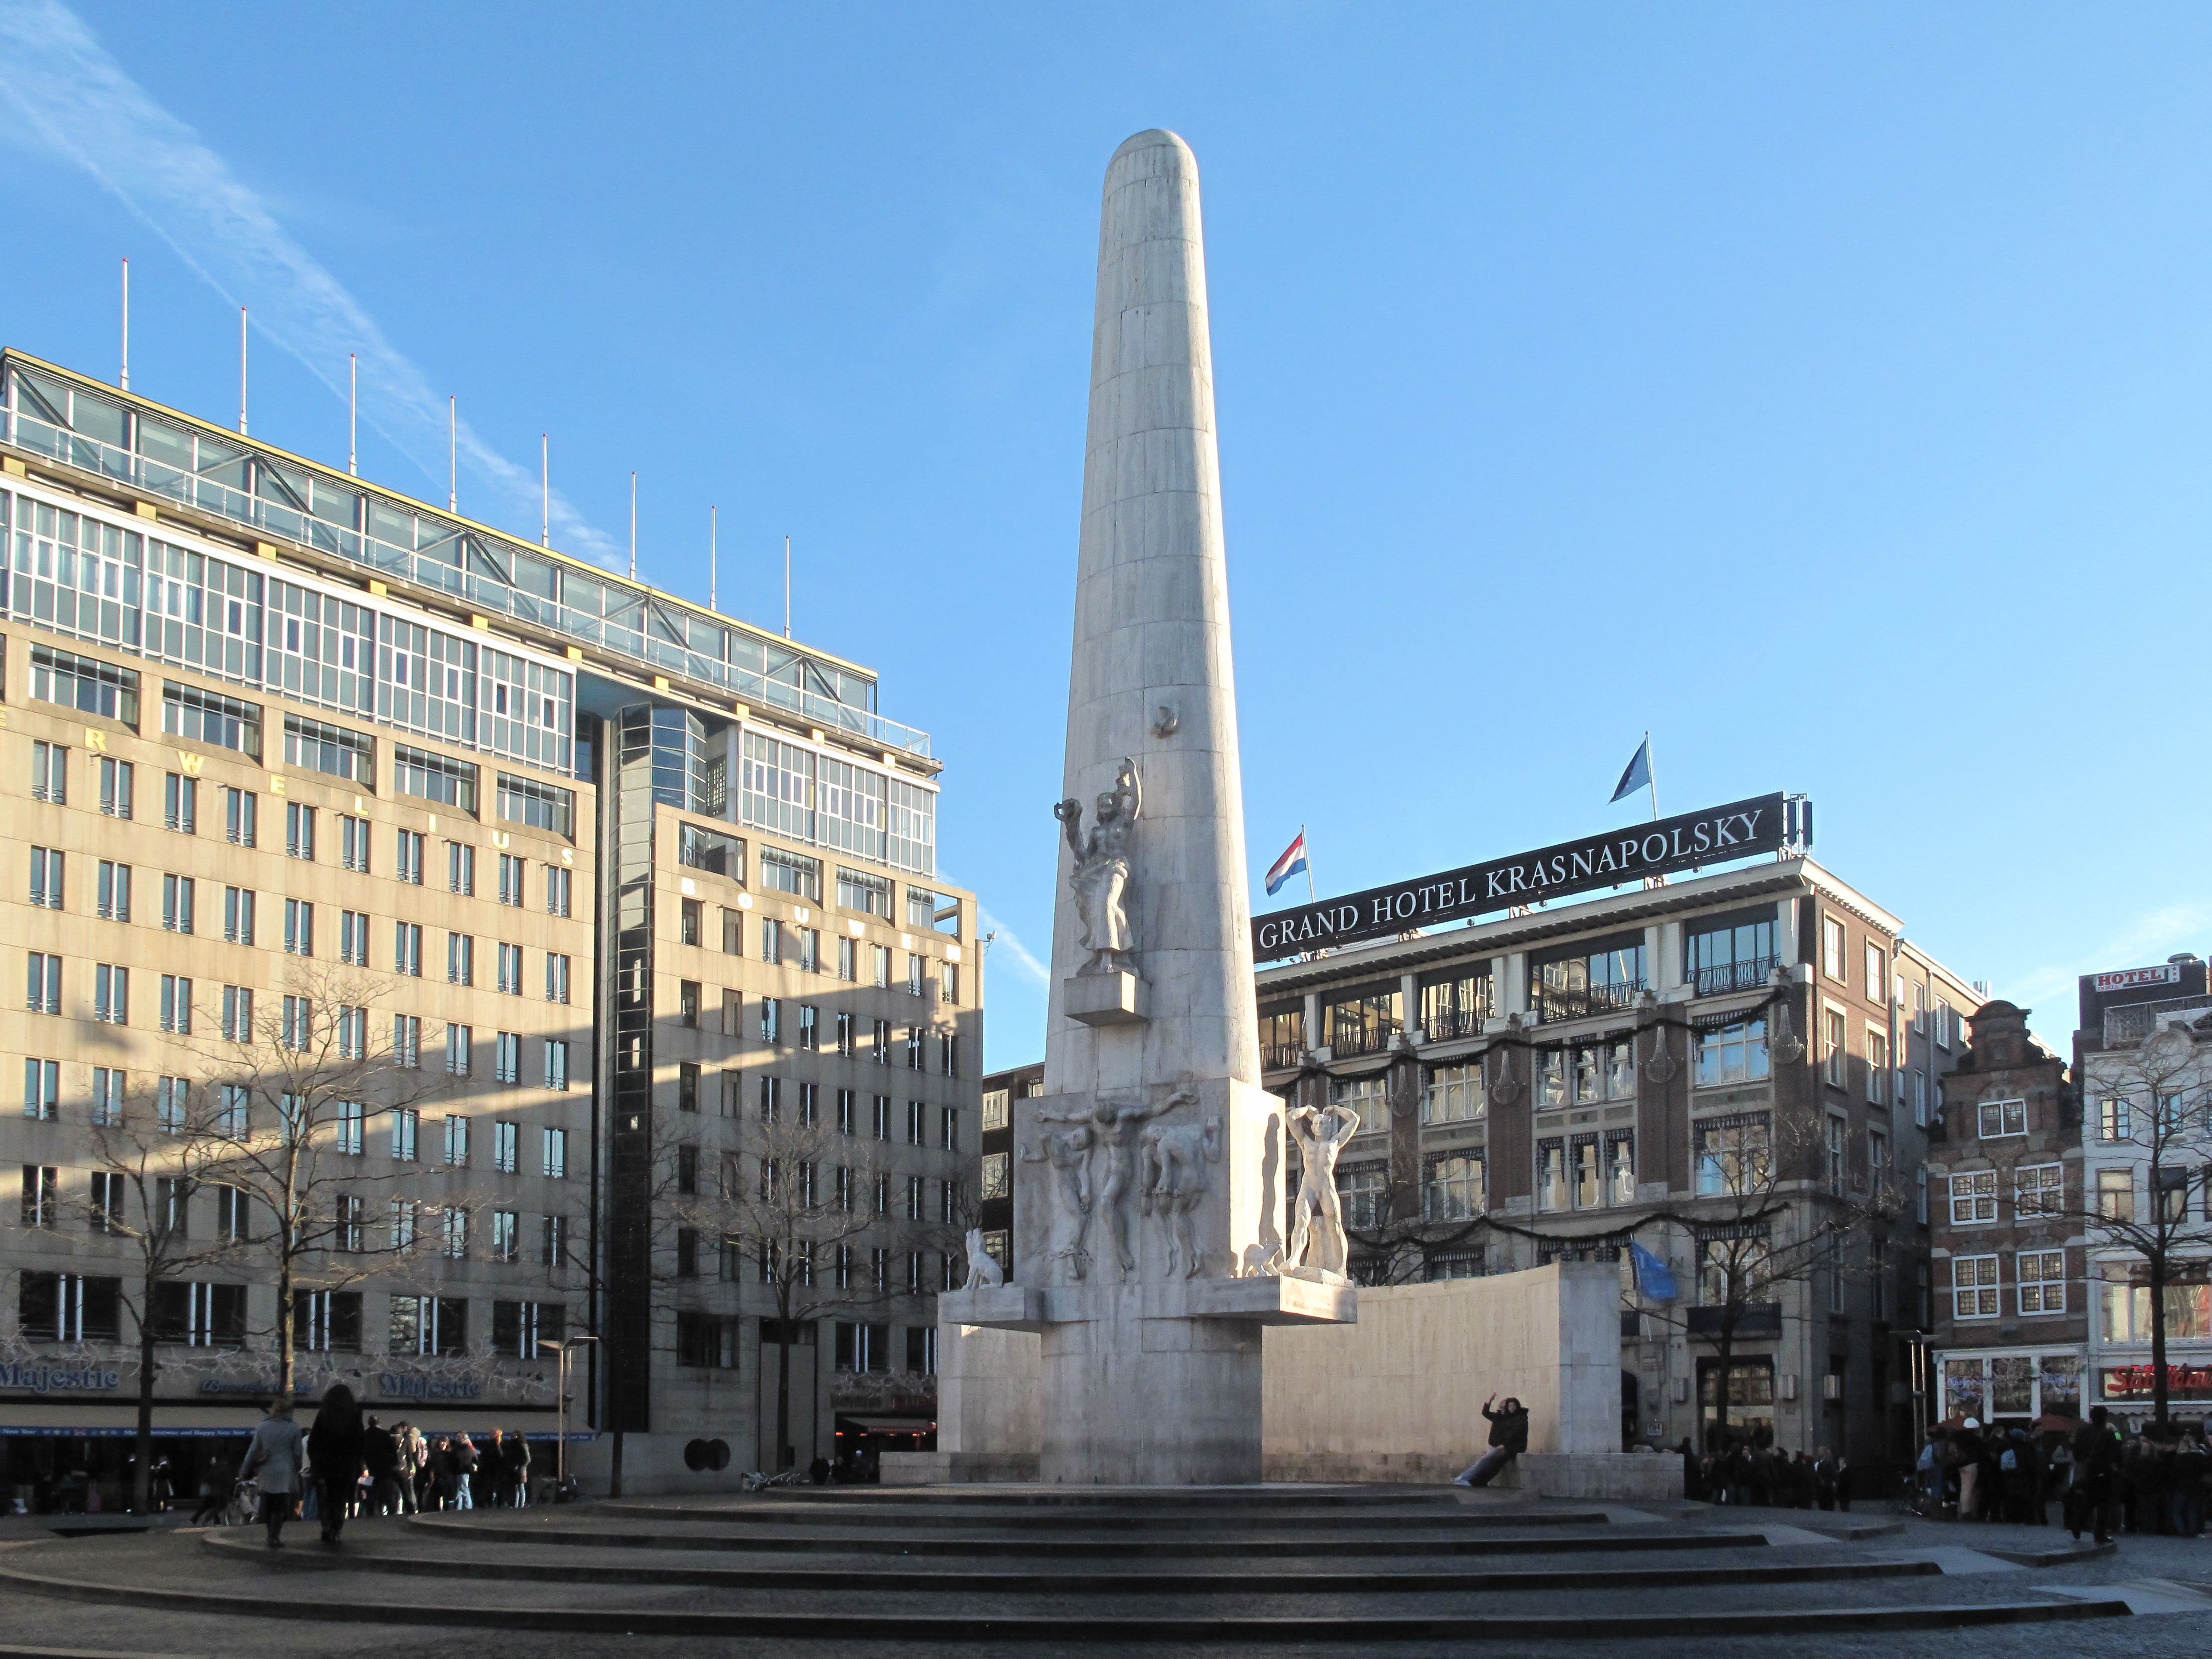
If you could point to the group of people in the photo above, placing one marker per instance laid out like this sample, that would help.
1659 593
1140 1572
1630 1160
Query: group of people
349 1464
2102 1478
1750 1469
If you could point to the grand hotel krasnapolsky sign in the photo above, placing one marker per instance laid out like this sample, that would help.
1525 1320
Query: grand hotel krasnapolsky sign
1718 834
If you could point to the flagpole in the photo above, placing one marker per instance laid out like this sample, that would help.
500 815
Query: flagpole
1651 777
1310 894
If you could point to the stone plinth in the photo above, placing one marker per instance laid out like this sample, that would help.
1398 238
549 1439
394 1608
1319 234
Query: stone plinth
1106 999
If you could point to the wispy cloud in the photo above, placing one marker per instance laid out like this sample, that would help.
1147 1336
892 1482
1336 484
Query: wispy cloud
2150 937
78 104
1025 959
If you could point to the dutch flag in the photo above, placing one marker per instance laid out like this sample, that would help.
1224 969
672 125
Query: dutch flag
1291 864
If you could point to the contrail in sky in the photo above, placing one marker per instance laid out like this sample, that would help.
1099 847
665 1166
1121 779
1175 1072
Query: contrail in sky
1024 960
81 104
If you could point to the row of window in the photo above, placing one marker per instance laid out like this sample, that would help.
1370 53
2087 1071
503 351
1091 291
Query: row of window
721 853
88 684
706 1341
773 1096
804 1029
57 1307
789 943
834 1267
2038 1290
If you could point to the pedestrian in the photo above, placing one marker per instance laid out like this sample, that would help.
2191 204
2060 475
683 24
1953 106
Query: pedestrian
1968 1441
465 1469
438 1469
518 1469
334 1448
496 1471
2190 1466
379 1456
1509 1438
2097 1469
818 1470
273 1458
412 1454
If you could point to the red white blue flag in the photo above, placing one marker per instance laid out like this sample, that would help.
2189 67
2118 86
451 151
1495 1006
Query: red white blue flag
1291 864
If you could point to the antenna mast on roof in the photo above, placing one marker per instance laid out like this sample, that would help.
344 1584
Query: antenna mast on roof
453 454
633 526
786 587
126 382
353 414
545 489
241 371
713 547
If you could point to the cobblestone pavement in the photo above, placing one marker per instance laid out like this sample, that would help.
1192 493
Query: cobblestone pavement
2147 1568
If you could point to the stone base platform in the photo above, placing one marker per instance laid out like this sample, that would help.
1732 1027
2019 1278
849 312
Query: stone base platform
1614 1477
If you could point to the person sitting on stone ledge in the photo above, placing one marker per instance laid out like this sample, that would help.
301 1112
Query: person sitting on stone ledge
1509 1438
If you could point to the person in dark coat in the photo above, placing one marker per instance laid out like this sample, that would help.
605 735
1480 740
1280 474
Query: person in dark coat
379 1456
439 1466
465 1473
1509 1438
2097 1466
518 1469
334 1454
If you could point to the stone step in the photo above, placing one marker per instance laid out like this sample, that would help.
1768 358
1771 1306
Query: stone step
1101 1518
357 1598
383 1554
1214 1544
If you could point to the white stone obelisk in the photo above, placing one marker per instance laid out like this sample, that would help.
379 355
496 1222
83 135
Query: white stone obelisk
1149 1212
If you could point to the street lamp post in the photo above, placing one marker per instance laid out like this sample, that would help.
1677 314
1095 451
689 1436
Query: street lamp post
561 1447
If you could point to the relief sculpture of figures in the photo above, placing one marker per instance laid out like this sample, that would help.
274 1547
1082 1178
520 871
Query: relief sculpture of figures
1069 1154
1172 1160
1318 1227
1101 877
1114 1123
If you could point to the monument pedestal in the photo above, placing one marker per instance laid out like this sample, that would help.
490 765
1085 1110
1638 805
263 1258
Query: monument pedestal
1106 999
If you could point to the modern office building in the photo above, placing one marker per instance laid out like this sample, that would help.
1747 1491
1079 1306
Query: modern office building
1676 1063
2142 1062
2013 1295
994 1210
610 901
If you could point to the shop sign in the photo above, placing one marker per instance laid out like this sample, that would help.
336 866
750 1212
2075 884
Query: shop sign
1715 836
2130 979
2140 1382
43 1379
408 1386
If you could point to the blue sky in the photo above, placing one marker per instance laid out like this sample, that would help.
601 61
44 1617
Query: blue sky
1825 389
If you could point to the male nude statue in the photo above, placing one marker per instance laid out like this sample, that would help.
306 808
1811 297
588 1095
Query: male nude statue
1319 1223
1069 1154
1172 1160
1100 879
1116 1121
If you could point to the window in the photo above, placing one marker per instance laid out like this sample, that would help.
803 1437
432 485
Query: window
429 1325
868 894
948 1054
997 1103
460 1044
179 902
1999 1118
408 856
2040 1281
771 1099
556 891
402 1223
200 1316
1877 1158
1973 1197
1832 949
519 1329
1835 1061
771 939
1453 1190
948 1128
434 778
1732 1053
117 778
407 949
771 1020
234 1214
556 1154
1974 1287
791 872
687 1087
327 1321
238 908
2126 1312
711 850
406 1126
180 803
1603 1071
85 684
506 1057
948 987
298 831
916 968
1877 1068
810 1026
42 1089
110 994
846 1102
2116 1194
2039 1189
1944 1020
557 978
848 959
456 1246
298 927
1837 1130
2112 1119
1454 1004
1735 1153
881 1030
232 1120
352 937
43 983
510 969
865 1348
69 1308
691 919
996 1175
540 805
556 1065
460 959
882 1117
809 949
706 1342
913 1036
1551 1173
506 1231
914 1110
687 1170
105 1212
1730 953
209 718
50 772
46 878
1588 979
107 1095
879 964
1877 973
294 1024
1920 1098
460 868
349 1224
351 1119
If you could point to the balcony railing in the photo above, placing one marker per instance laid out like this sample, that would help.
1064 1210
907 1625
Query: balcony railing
2130 1024
1281 1056
1347 1039
1553 1003
1442 1024
1718 978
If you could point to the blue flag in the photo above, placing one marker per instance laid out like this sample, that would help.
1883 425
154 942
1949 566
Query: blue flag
1654 1278
1639 773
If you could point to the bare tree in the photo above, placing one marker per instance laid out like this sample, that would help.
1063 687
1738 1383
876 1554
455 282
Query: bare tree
292 1081
152 1153
2161 1107
793 1202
